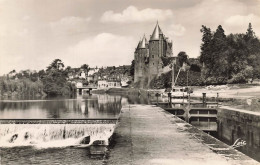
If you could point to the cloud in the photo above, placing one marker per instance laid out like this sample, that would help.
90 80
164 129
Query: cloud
26 18
69 24
239 23
177 30
105 49
132 14
239 20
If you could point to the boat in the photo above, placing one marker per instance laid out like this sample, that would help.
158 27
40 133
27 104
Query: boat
179 92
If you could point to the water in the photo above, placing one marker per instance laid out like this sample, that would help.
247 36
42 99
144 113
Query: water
56 143
48 144
52 135
96 106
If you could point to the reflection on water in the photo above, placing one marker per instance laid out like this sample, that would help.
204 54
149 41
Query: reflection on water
95 106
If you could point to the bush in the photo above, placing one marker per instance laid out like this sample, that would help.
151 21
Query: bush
242 77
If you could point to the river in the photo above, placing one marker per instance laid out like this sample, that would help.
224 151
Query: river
47 144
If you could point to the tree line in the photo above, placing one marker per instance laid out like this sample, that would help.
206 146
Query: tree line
20 87
52 81
233 58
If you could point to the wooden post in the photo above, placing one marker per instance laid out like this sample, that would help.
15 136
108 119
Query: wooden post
204 99
157 95
173 81
170 98
217 99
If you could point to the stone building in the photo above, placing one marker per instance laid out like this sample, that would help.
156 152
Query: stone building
148 56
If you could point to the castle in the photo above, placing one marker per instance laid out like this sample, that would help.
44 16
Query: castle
148 56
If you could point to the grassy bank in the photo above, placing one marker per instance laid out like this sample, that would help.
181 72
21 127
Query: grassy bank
251 104
128 91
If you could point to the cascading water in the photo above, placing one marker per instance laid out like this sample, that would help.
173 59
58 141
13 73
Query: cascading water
53 135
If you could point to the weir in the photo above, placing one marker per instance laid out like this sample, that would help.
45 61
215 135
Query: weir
60 121
56 132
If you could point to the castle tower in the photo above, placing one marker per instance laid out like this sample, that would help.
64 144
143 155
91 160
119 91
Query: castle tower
148 57
156 52
141 54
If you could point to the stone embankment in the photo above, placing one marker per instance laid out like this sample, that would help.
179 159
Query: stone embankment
150 135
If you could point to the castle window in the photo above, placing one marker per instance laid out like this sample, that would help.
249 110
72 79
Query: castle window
153 63
152 56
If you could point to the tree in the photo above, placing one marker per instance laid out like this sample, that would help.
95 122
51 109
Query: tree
54 81
250 33
85 67
132 68
41 73
57 64
183 58
252 50
218 68
205 55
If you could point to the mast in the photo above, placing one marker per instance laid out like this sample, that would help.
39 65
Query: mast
173 82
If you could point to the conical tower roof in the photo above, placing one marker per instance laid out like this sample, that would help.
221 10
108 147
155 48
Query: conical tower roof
156 32
143 42
138 45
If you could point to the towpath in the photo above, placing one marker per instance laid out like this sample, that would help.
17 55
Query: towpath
149 135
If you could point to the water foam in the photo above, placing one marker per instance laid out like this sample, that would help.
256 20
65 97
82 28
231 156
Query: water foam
53 135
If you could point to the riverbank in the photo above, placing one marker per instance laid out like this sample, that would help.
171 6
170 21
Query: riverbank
245 97
129 91
240 91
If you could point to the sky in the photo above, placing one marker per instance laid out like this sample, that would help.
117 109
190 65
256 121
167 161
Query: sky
106 32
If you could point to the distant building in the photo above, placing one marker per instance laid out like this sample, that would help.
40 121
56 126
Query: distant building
108 84
148 56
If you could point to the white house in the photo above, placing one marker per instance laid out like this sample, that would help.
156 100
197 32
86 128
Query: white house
108 84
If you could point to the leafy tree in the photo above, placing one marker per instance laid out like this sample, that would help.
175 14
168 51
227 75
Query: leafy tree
55 80
183 58
206 46
234 58
85 67
195 68
57 64
26 73
132 68
41 73
250 33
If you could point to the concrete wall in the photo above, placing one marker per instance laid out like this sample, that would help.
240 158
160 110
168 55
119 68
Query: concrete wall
234 124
